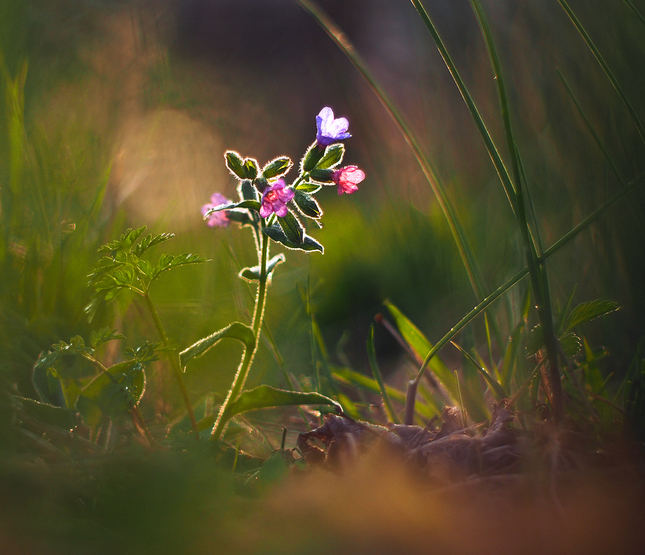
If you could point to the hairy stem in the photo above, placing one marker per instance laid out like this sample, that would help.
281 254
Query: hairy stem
249 354
174 362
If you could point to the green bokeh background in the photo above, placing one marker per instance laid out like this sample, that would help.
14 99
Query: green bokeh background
143 97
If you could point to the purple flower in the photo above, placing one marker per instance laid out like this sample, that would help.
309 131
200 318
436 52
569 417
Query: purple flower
275 198
347 179
330 130
218 219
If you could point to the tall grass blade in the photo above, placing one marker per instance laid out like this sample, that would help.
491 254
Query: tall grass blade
591 130
465 251
638 14
502 172
605 67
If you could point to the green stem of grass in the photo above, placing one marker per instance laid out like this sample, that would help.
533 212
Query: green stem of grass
174 361
605 67
249 354
522 273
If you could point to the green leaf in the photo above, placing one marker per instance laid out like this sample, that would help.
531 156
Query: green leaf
169 261
277 167
50 414
248 191
333 156
307 205
252 204
292 228
571 344
235 163
125 242
588 311
150 241
308 244
265 396
311 158
236 330
114 392
251 168
253 273
535 341
307 187
103 336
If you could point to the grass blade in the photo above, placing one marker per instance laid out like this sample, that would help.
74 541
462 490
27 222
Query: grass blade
496 387
457 230
502 172
605 67
371 355
638 14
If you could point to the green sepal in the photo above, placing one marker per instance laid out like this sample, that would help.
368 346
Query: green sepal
235 163
251 168
248 191
311 158
236 330
322 176
292 228
308 244
277 167
265 396
309 188
333 156
307 205
253 273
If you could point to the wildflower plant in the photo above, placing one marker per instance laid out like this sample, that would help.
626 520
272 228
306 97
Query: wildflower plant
276 211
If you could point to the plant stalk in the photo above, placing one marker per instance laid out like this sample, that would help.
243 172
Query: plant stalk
174 362
249 354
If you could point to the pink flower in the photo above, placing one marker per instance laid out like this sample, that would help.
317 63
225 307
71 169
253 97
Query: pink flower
330 130
218 219
347 179
275 199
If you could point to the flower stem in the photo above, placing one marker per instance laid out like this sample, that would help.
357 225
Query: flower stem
247 359
174 362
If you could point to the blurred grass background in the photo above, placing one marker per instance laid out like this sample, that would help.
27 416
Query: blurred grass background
141 98
128 108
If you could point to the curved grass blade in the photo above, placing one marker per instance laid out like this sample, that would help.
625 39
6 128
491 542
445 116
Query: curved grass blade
605 67
265 396
502 172
496 387
345 376
371 355
465 251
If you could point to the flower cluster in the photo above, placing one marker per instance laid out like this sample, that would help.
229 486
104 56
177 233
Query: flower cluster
276 208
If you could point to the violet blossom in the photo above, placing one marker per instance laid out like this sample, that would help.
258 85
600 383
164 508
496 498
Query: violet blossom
347 179
275 199
329 129
219 219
